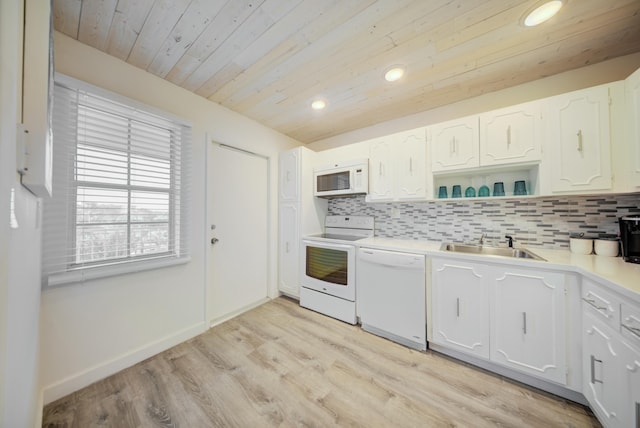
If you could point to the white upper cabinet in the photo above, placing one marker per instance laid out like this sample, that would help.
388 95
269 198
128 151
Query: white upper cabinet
632 92
411 159
511 135
579 142
289 171
454 144
398 167
381 170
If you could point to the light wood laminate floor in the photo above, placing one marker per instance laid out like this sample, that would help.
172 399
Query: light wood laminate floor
285 366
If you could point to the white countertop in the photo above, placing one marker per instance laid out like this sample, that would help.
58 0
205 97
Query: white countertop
611 271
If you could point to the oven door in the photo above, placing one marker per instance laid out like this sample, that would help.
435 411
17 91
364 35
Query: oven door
329 268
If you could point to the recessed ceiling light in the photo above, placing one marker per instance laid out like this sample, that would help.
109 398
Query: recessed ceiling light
318 104
395 73
541 12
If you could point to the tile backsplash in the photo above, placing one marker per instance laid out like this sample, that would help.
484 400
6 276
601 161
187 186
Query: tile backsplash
545 221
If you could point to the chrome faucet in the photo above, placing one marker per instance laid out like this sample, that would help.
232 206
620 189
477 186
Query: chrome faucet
484 235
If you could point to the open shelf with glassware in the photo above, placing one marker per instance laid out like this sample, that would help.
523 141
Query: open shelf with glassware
518 181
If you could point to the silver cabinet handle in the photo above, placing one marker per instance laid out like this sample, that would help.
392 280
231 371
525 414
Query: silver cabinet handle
286 247
288 176
524 322
508 136
411 165
637 414
593 303
579 135
380 169
593 370
633 330
458 307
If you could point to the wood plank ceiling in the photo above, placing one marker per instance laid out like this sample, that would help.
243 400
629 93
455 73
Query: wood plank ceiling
268 59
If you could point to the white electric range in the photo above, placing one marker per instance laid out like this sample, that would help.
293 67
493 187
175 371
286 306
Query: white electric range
328 275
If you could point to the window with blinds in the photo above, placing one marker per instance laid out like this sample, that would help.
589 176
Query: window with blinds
120 181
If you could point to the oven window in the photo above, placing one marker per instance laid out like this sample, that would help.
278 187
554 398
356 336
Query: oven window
327 265
335 181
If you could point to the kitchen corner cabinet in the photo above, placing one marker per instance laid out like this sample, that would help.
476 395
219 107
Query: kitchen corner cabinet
528 319
454 144
397 167
602 372
511 135
631 363
460 315
611 356
300 214
511 316
579 143
632 94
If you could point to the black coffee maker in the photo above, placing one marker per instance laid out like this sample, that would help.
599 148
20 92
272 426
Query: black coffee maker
630 237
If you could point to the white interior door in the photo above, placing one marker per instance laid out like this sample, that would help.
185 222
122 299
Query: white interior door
237 212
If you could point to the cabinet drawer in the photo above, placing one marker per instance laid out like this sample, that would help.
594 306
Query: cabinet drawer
630 323
604 305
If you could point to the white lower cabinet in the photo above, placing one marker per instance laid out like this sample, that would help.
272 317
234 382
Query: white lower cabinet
460 313
611 356
289 254
631 384
528 322
510 316
602 371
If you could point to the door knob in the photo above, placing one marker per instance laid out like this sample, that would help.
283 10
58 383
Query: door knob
214 240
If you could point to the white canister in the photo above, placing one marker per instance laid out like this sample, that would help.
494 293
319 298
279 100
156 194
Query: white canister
606 247
581 245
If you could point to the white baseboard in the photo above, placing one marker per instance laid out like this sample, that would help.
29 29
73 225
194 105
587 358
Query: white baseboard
214 322
87 377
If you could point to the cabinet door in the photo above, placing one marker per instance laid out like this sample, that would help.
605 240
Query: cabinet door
580 141
460 306
602 367
289 169
381 171
631 377
454 144
411 176
289 249
632 91
528 322
510 135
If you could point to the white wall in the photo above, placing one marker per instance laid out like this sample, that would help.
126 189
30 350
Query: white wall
92 330
603 72
20 404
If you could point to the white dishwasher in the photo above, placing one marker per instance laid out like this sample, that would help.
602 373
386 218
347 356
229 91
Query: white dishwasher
390 290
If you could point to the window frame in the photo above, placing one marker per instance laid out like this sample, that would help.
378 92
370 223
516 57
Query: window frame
177 222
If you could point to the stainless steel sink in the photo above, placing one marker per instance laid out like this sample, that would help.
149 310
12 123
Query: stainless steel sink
518 253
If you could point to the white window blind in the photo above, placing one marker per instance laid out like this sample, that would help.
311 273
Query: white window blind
120 187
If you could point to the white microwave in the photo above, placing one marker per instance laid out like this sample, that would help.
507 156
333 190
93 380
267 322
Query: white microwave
342 179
